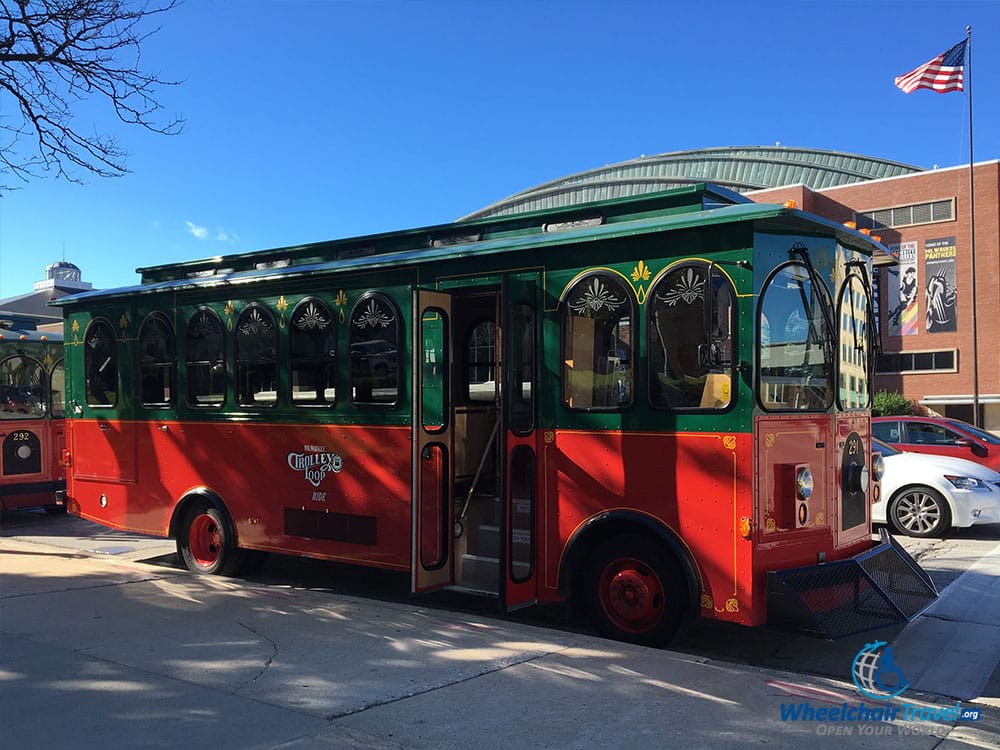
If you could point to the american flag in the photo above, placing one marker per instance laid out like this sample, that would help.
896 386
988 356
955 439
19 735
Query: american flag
942 74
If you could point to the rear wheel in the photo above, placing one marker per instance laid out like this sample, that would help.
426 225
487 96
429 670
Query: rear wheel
636 592
205 543
920 511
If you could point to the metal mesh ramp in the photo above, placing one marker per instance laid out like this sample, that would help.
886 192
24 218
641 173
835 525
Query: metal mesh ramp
880 587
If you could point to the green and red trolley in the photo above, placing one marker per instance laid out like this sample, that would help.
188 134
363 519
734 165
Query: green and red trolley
655 407
32 389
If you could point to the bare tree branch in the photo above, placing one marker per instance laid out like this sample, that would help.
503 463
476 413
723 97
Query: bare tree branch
57 53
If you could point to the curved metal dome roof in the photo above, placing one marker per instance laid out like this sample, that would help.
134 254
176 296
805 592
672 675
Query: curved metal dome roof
740 168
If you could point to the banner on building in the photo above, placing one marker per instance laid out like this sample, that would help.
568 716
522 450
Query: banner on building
941 291
902 292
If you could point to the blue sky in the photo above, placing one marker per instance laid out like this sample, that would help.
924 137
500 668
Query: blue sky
308 121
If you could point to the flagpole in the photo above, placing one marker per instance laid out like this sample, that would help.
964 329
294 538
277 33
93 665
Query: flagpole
972 236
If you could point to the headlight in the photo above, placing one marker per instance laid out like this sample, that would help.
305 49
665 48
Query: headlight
967 483
878 466
804 483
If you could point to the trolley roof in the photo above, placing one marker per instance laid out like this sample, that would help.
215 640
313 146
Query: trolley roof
18 328
696 205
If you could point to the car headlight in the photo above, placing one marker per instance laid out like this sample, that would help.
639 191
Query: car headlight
878 466
804 483
967 483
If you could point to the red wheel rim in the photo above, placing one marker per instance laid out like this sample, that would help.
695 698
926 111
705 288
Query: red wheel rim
205 540
631 595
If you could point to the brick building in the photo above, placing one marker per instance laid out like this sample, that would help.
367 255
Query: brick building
926 301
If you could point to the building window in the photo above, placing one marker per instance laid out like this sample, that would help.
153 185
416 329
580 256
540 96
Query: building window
900 362
907 216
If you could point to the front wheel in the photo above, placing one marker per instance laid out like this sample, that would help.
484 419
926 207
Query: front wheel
636 592
920 512
205 544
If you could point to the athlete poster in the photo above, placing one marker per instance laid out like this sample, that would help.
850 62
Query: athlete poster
941 290
902 292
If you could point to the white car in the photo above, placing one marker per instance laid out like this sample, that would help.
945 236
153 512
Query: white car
924 495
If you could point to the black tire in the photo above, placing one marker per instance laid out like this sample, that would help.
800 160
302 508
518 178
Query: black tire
919 511
206 543
635 591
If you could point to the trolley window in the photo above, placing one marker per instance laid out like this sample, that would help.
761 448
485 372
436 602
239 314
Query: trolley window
796 361
312 340
22 388
481 362
157 357
57 390
206 361
855 349
256 357
522 397
375 343
100 363
690 338
598 317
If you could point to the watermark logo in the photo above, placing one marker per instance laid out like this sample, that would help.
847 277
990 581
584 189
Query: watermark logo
876 674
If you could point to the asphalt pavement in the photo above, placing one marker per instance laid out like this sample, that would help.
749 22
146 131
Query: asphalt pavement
103 644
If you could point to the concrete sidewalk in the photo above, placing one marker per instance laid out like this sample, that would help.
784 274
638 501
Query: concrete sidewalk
97 652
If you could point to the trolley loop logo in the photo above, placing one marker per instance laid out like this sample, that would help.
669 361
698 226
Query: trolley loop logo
314 463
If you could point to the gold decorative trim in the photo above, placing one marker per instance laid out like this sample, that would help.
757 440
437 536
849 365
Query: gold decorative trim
640 274
281 306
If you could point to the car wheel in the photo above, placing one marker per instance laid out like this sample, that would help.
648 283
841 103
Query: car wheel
205 544
635 592
919 511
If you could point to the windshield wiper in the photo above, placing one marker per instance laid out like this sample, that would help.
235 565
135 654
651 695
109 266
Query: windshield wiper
803 252
874 338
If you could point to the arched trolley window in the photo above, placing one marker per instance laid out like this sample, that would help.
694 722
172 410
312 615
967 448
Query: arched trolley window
312 358
157 361
256 357
205 347
797 348
690 344
23 388
375 339
854 373
100 363
598 321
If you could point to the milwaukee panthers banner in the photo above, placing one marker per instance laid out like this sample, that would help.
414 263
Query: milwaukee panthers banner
901 293
940 291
